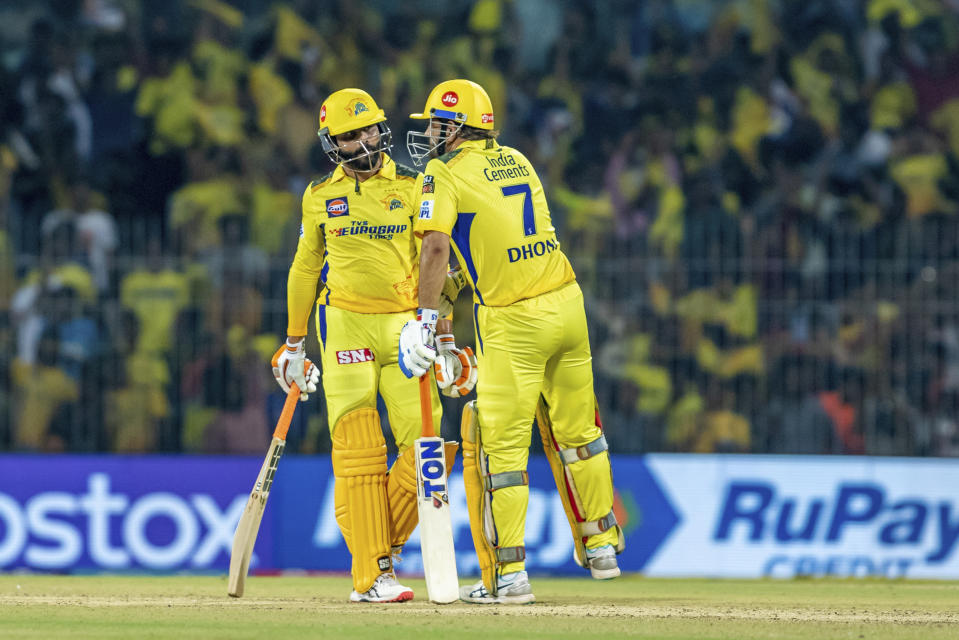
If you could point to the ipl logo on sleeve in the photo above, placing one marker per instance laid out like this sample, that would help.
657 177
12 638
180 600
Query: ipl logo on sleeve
336 207
426 210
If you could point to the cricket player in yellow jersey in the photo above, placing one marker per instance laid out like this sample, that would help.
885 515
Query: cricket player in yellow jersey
531 341
357 242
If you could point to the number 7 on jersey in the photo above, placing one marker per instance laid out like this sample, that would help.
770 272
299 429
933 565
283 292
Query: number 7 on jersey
529 220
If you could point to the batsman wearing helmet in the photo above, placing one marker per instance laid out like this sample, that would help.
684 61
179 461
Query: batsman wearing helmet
531 341
357 242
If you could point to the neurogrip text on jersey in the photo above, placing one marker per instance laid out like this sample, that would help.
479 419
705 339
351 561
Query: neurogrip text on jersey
532 250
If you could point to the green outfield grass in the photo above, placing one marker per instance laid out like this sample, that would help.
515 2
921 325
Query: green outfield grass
39 606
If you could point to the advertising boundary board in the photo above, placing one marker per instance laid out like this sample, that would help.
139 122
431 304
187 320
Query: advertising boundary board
741 516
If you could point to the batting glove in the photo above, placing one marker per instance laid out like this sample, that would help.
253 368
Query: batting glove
456 370
291 365
455 281
417 351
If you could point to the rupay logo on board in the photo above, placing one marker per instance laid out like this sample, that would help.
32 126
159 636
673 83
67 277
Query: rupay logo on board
757 510
786 516
54 529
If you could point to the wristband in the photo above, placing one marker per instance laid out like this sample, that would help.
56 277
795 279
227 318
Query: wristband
428 317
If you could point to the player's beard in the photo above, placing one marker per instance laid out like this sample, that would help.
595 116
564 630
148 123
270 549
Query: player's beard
360 162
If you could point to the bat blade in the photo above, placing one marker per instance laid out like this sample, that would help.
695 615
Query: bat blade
436 530
249 525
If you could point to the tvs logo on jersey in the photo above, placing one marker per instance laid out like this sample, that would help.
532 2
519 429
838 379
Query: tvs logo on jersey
450 99
486 118
428 183
336 207
352 356
323 113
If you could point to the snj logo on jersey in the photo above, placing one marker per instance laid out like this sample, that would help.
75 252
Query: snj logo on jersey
450 99
352 356
336 207
323 113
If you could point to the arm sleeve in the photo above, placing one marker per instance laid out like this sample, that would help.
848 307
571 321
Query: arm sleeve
305 271
438 204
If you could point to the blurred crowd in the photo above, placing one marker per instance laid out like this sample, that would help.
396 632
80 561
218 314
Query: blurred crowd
759 197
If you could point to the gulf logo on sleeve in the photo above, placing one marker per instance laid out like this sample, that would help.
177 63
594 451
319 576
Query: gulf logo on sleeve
336 207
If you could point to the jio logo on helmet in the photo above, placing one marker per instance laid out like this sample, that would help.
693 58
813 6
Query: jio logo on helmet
450 98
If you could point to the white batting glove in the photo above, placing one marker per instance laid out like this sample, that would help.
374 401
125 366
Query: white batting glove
455 369
455 281
417 351
290 365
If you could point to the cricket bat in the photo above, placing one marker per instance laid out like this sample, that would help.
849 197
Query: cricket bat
249 524
433 505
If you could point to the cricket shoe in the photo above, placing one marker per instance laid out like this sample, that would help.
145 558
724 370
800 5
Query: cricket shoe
602 562
384 589
512 588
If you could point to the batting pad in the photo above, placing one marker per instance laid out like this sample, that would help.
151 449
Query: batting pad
480 486
584 479
359 465
401 492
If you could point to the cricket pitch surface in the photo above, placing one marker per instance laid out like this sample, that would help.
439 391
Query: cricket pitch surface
46 606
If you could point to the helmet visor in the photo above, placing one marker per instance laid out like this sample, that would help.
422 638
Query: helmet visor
365 157
426 145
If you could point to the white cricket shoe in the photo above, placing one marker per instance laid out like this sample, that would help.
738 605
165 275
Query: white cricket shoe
385 589
602 562
512 588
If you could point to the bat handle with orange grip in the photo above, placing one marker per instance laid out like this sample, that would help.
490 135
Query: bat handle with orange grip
286 416
426 407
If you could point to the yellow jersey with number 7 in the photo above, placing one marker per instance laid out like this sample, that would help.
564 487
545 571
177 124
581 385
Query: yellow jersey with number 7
491 203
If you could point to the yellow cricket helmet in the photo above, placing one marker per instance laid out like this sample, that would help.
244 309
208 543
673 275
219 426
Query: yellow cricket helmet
462 101
347 110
